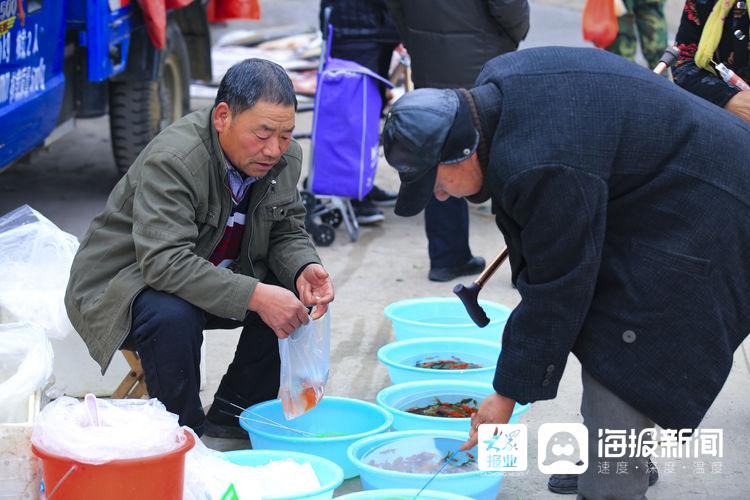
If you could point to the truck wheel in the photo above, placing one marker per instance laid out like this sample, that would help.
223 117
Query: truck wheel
139 110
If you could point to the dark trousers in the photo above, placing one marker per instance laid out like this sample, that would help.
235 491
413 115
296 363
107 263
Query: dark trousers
447 226
167 333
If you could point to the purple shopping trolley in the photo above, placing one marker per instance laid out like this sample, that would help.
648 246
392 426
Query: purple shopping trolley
345 133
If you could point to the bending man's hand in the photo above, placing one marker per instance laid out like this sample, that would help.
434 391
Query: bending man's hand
495 409
739 104
278 308
315 289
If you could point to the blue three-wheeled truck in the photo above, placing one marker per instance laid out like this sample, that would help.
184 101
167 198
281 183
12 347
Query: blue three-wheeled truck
61 60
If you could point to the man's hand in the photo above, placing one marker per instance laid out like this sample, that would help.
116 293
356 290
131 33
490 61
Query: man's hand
740 105
495 409
278 308
315 289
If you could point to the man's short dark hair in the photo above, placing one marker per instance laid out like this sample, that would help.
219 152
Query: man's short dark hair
253 80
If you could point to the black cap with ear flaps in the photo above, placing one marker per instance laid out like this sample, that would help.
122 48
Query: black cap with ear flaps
424 128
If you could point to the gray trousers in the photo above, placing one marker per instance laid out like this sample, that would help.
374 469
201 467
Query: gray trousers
624 478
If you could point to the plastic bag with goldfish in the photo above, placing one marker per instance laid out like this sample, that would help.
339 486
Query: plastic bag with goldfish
304 366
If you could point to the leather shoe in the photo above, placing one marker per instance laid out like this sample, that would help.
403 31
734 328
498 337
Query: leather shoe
382 197
475 265
215 430
567 484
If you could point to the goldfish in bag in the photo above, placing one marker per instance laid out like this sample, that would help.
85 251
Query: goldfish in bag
304 366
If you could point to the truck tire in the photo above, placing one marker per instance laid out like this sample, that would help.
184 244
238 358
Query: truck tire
139 110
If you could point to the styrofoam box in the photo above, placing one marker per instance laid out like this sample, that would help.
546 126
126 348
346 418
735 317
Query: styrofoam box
20 474
77 374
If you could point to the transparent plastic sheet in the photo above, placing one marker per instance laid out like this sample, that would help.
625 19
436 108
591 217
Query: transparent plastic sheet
128 428
35 259
304 366
26 361
208 475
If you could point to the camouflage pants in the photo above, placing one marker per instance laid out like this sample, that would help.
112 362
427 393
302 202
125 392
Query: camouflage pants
648 17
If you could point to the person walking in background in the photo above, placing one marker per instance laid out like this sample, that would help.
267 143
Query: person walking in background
449 42
364 32
647 18
699 54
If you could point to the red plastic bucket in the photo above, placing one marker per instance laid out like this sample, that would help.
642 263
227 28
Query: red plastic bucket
158 477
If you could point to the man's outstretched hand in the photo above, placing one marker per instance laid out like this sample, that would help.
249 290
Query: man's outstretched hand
495 409
315 288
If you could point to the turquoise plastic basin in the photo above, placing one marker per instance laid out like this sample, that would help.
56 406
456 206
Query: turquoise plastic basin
403 494
401 356
339 422
397 398
476 484
444 317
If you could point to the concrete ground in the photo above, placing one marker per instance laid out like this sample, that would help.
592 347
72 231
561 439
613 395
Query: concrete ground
70 182
363 290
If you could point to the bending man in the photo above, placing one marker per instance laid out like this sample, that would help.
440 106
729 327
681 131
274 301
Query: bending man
627 226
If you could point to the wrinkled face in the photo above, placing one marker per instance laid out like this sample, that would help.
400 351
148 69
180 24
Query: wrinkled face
255 139
460 179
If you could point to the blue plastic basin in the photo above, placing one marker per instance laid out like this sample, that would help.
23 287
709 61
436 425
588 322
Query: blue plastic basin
400 358
403 494
329 474
444 317
476 484
397 398
340 421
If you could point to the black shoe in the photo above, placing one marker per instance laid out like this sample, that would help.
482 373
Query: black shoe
366 212
567 484
563 484
475 265
653 473
381 197
223 431
221 422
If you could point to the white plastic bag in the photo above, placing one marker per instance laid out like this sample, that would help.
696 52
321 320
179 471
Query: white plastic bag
208 475
26 361
35 259
128 428
304 366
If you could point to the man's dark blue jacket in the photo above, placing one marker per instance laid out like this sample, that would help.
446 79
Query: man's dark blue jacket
625 203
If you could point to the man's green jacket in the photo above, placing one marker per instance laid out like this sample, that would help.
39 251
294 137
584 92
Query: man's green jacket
163 220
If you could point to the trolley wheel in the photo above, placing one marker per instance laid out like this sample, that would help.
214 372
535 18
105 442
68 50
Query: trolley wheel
333 218
323 235
308 199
